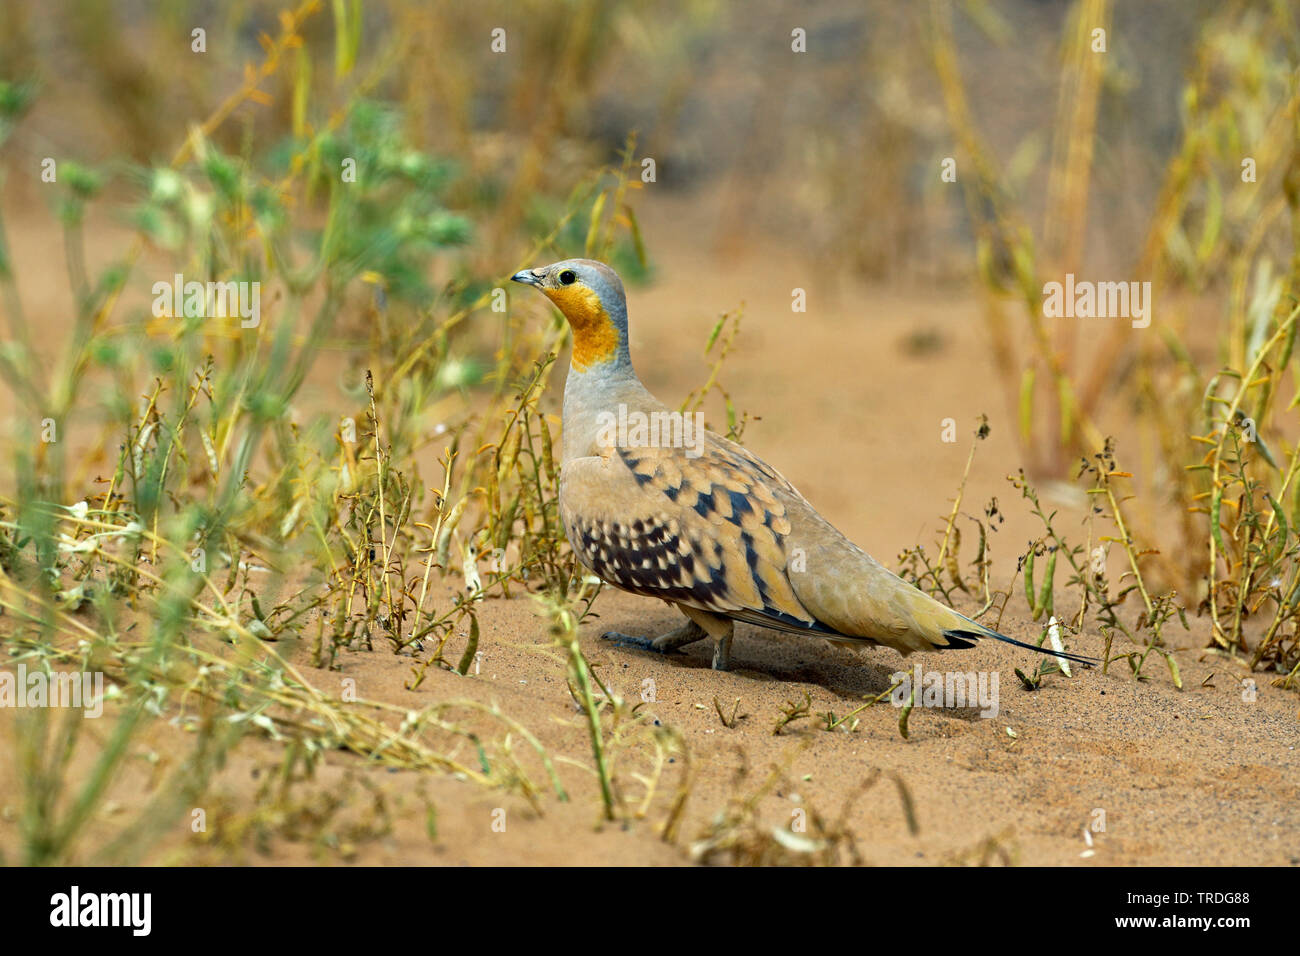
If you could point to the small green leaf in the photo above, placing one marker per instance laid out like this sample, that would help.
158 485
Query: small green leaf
906 712
471 648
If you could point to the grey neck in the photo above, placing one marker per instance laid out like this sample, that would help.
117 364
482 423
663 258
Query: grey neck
599 389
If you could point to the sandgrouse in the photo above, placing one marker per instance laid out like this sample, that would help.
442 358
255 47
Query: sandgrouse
704 524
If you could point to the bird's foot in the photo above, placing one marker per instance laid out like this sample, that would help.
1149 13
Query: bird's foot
663 644
619 639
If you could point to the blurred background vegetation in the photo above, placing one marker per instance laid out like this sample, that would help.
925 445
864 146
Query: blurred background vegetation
839 146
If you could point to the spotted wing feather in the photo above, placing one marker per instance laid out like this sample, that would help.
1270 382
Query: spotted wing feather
709 532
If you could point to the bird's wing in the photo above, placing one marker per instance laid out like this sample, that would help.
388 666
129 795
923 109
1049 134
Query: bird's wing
709 532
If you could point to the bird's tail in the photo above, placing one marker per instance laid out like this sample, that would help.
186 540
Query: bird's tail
978 631
860 598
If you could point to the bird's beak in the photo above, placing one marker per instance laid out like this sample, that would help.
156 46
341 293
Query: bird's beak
527 277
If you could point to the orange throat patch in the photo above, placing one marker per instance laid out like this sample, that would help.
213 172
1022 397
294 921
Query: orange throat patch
595 338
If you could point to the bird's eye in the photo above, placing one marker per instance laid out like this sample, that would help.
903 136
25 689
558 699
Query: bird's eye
568 277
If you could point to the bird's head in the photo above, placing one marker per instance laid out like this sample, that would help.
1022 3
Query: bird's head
590 294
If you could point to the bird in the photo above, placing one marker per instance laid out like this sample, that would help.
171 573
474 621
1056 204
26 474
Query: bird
702 523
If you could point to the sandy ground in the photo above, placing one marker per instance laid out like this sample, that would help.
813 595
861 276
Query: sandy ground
851 412
1199 776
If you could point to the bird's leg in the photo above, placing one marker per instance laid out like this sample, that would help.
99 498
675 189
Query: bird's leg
721 629
688 633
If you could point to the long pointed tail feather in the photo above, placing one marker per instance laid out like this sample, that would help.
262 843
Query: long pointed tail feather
984 632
